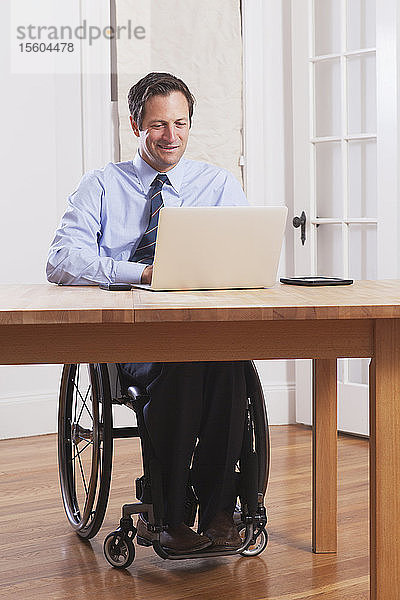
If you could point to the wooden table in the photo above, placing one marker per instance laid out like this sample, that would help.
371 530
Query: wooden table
50 324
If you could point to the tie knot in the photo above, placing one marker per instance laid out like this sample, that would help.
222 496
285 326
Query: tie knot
160 179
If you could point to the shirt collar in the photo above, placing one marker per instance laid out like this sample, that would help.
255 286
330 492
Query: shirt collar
146 173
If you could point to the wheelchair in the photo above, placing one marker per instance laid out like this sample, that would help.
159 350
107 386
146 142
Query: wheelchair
85 449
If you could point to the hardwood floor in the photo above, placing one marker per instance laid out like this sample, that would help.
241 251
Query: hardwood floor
41 558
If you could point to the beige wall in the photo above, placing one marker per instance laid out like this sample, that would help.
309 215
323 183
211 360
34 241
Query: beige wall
201 43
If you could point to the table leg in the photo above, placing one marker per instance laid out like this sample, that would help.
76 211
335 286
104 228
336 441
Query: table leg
385 462
324 509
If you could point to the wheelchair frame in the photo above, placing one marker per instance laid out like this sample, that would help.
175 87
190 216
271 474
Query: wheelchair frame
85 448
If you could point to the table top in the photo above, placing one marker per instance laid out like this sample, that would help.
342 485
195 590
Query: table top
49 304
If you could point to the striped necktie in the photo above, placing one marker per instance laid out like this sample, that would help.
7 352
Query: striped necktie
144 253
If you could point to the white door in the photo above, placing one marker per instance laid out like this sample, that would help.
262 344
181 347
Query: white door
337 123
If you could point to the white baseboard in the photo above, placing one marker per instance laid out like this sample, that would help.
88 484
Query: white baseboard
32 414
280 400
36 414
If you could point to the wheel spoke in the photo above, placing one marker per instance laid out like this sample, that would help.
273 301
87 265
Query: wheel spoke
73 468
84 405
78 392
85 439
71 459
86 397
80 413
83 475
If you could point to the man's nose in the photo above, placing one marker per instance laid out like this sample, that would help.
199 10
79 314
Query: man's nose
169 133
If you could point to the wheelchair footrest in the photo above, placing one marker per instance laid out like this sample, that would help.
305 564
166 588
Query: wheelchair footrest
143 541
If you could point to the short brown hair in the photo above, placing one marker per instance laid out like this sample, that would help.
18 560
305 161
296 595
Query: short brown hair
156 84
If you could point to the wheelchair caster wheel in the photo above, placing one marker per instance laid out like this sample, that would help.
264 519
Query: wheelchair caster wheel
259 545
119 550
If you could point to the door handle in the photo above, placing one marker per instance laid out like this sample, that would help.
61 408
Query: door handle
301 222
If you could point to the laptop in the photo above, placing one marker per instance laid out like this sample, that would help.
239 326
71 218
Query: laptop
217 247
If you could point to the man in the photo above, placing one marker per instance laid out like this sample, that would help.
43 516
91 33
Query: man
196 413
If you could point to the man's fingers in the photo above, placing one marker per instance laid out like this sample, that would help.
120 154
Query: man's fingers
147 274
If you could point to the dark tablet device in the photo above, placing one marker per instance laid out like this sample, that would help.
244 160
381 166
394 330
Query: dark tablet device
316 280
116 287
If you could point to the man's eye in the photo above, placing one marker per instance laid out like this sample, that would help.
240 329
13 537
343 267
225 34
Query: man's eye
157 126
181 124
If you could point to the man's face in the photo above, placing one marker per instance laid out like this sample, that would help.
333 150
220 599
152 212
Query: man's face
165 130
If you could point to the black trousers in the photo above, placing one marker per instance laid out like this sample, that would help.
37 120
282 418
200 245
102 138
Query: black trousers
195 418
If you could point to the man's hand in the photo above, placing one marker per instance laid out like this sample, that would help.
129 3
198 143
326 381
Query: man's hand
147 275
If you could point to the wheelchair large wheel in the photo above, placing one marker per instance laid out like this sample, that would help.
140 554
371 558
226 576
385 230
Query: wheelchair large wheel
85 445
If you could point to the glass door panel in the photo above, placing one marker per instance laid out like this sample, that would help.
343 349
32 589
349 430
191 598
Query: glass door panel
354 371
361 84
327 27
360 24
358 371
328 179
327 98
362 178
329 250
363 251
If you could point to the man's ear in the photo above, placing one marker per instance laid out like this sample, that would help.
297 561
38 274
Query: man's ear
134 126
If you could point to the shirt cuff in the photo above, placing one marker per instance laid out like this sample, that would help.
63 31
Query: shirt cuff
128 272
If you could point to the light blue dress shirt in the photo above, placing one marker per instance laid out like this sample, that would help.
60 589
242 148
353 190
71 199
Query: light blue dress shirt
109 212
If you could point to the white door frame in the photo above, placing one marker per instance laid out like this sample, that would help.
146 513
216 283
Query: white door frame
263 102
388 157
99 133
268 154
